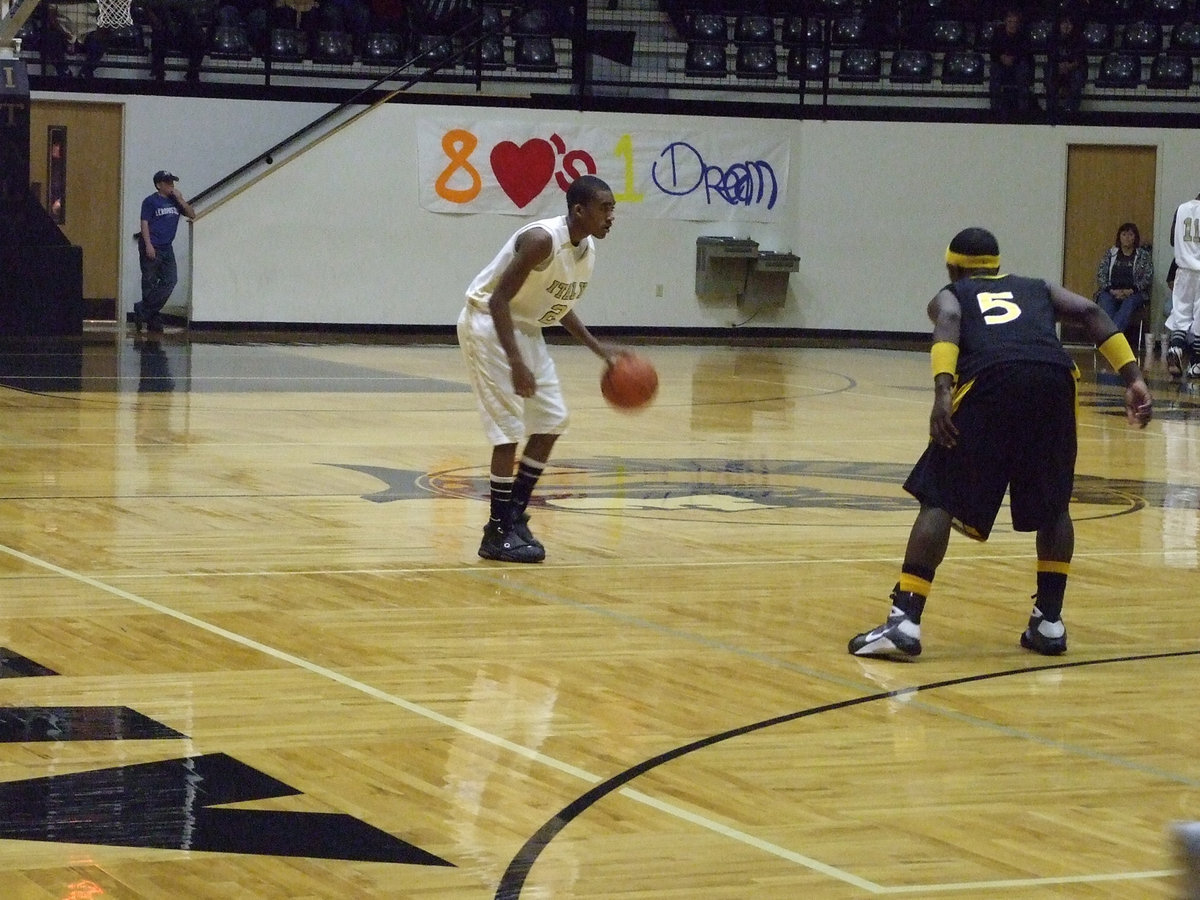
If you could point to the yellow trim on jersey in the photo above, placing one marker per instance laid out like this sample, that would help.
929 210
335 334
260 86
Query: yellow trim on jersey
960 392
963 261
943 356
1117 351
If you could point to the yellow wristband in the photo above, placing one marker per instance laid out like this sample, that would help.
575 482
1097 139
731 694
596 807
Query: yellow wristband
1117 351
944 356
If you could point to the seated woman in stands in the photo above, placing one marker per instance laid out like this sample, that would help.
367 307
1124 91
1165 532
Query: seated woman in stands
1124 276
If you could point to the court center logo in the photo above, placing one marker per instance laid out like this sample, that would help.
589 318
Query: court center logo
759 490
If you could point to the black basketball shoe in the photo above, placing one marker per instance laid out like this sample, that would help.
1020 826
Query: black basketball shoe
508 546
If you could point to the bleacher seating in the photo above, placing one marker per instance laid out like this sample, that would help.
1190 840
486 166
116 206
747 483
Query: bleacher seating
1138 49
860 64
1185 37
911 66
964 67
807 63
1170 71
1144 37
230 42
1119 69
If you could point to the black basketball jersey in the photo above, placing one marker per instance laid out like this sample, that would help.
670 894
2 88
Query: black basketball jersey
1006 319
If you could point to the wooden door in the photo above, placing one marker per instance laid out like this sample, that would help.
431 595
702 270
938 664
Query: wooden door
1106 185
75 152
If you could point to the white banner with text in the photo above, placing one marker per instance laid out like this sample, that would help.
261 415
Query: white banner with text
522 169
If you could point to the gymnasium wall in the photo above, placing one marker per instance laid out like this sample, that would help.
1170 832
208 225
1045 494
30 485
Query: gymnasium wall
336 234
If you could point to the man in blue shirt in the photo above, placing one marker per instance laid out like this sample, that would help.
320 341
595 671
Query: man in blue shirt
160 220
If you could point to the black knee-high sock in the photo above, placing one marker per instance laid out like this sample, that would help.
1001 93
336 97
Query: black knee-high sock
528 473
1051 587
502 491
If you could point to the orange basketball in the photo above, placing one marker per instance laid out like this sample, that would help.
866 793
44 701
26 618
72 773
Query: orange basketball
630 382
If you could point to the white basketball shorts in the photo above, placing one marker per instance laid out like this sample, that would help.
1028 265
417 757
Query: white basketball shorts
1185 307
507 417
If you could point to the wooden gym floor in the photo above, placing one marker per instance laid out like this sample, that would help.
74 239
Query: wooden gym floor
250 652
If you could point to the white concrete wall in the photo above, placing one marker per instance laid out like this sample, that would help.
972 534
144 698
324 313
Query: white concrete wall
336 234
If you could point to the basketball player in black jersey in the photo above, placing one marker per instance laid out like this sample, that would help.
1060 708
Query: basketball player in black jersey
1003 418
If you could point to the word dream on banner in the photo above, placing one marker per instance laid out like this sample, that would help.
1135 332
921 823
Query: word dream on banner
525 170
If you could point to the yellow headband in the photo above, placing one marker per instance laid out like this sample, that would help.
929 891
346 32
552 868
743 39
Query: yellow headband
971 262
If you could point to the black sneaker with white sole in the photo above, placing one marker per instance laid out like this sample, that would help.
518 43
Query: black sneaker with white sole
508 546
1046 638
898 638
521 527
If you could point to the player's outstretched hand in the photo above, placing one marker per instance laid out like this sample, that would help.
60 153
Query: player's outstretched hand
1139 407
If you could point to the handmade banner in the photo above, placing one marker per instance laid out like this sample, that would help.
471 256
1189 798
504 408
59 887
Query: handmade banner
524 169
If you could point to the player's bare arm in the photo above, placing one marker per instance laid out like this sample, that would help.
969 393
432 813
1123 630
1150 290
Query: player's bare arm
946 315
532 249
579 331
1139 406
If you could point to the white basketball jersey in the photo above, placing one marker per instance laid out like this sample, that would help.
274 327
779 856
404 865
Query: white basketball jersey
551 290
1187 235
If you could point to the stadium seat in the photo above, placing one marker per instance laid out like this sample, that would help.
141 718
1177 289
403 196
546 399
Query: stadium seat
333 47
921 11
800 30
835 7
860 64
984 34
1171 71
230 42
709 27
1167 11
850 31
754 36
1039 34
946 34
382 48
535 53
754 29
434 51
757 61
964 67
492 19
128 40
705 59
531 21
287 45
1119 69
1097 36
807 63
1143 36
491 51
911 67
1185 38
1115 11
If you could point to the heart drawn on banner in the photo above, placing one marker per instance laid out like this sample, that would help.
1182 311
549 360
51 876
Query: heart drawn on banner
523 171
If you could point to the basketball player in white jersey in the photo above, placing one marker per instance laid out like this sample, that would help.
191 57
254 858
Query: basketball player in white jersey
1185 294
534 281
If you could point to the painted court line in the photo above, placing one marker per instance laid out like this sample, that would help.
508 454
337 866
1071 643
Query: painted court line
533 755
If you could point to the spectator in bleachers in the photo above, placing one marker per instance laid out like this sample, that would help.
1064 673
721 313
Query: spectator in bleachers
1011 76
1066 68
71 27
174 25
